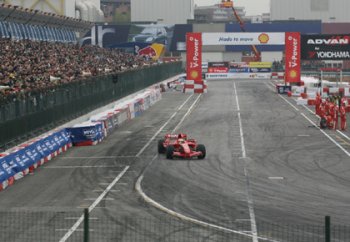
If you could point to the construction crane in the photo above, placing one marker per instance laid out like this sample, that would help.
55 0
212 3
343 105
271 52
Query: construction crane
229 4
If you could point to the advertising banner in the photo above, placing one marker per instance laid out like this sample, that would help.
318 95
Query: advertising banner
260 64
292 56
325 47
194 57
86 132
50 144
5 170
218 67
239 70
42 148
22 159
243 38
16 164
259 70
238 76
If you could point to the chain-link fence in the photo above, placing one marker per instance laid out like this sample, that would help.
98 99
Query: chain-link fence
37 226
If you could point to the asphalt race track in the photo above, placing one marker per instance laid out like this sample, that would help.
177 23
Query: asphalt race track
268 170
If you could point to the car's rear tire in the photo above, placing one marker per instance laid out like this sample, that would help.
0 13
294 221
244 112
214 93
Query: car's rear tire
161 148
201 148
170 152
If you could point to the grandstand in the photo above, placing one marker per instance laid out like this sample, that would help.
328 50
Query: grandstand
41 55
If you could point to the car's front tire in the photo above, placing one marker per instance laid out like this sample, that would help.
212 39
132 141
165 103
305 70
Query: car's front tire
161 149
170 152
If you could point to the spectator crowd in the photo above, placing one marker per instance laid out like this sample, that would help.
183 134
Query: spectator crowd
28 67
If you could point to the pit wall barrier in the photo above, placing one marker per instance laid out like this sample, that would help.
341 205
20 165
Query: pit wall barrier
22 160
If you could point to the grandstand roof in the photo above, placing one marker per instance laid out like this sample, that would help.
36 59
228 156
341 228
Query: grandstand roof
13 13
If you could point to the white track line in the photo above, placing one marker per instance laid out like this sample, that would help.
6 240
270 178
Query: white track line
70 167
186 218
283 98
93 205
187 113
181 216
344 135
161 128
329 137
99 157
244 156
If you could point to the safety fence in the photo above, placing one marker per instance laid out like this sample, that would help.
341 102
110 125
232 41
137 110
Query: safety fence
26 226
25 118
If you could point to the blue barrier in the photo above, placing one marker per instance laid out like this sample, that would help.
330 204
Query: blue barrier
28 156
86 133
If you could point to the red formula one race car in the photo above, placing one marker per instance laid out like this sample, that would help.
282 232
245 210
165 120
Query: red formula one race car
177 145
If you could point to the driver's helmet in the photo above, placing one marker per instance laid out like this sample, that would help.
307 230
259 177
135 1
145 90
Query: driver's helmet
182 136
181 141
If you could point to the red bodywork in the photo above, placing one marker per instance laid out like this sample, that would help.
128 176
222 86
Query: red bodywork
183 147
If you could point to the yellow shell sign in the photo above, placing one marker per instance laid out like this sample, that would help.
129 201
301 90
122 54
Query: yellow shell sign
194 74
293 74
263 38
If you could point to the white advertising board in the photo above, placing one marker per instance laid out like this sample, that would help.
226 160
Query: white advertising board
238 76
243 38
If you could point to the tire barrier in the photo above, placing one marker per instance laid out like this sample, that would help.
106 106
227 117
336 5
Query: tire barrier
23 159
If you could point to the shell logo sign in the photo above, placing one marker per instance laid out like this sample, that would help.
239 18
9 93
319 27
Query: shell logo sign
194 57
292 57
264 38
194 75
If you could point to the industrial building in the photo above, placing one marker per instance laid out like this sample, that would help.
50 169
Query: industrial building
334 11
160 11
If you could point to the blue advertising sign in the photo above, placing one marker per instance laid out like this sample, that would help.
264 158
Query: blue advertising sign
16 166
58 140
86 133
239 70
5 170
66 136
52 146
23 159
32 153
100 133
260 70
42 148
138 108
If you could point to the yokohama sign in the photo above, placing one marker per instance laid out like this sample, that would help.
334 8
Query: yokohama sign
292 68
194 57
325 47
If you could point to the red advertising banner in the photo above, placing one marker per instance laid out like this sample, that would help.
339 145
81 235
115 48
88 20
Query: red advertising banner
217 69
292 57
194 57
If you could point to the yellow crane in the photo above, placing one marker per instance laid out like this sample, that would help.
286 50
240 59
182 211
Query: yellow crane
229 4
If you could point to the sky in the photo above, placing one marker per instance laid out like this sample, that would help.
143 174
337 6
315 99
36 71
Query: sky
253 7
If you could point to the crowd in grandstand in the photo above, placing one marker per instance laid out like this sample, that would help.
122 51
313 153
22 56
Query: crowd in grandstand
29 67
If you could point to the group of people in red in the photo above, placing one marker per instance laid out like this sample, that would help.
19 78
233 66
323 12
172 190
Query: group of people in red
330 110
